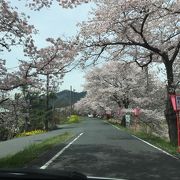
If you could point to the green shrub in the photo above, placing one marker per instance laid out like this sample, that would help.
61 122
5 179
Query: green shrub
73 119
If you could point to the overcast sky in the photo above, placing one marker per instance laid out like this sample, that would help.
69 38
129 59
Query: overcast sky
53 22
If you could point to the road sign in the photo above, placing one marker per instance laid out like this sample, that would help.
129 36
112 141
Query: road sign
128 117
175 100
178 103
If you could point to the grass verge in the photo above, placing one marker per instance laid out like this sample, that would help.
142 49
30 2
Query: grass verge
32 152
155 140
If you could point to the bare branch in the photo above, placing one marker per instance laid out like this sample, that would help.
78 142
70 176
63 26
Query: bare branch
176 51
146 64
3 100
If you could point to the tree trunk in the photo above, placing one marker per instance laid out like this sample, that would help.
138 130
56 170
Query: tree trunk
126 102
169 112
171 121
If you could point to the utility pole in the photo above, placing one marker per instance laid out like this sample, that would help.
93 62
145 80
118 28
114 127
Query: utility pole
73 99
47 102
70 100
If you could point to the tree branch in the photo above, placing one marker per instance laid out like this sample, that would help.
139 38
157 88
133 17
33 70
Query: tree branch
176 51
144 65
3 100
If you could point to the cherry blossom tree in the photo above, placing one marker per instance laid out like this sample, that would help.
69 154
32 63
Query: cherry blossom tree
120 82
14 28
83 107
141 31
115 86
15 31
12 117
54 60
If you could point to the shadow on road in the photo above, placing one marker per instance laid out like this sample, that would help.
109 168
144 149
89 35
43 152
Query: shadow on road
67 127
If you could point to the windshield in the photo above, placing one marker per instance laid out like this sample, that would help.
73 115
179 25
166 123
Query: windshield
91 87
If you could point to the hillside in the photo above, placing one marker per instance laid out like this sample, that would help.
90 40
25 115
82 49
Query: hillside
65 97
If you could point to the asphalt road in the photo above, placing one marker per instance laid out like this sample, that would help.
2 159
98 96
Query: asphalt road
102 150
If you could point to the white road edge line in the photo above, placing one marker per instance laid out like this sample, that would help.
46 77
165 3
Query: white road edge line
60 152
149 144
116 127
155 147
